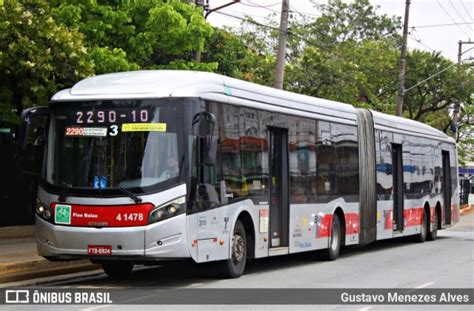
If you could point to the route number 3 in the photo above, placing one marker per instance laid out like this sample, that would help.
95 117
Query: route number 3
113 130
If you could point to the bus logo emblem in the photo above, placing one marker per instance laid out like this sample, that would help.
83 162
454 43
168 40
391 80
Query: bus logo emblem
63 214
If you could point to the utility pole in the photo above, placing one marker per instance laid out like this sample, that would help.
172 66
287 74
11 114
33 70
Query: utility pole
280 64
403 55
460 52
457 107
205 4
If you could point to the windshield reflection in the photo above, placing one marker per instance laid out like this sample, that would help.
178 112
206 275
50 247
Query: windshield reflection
105 144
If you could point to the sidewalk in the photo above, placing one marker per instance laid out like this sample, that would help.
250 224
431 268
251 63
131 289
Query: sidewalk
19 259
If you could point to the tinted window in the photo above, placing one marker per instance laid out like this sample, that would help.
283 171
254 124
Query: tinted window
384 164
326 163
302 158
243 151
347 167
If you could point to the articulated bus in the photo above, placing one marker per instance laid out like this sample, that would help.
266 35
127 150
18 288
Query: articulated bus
148 166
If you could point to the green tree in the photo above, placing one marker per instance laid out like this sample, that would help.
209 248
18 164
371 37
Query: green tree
356 21
454 85
361 75
235 59
149 34
350 54
38 56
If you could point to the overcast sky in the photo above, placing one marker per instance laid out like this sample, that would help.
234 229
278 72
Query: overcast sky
432 13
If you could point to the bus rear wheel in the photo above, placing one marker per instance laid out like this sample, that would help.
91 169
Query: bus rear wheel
335 240
421 237
234 266
433 234
117 269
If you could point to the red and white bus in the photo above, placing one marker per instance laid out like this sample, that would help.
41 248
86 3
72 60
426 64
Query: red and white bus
141 167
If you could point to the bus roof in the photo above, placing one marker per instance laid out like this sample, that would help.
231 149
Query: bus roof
211 86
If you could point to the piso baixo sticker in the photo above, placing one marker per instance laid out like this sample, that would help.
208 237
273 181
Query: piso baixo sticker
63 214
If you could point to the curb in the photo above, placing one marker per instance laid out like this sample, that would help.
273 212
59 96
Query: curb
17 232
18 271
35 264
51 272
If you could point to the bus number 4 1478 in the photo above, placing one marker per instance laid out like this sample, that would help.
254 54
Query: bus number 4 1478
129 217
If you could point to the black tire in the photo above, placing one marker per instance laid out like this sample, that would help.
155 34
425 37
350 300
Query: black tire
117 270
433 234
335 240
421 237
234 267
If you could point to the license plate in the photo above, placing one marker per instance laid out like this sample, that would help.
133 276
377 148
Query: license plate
99 250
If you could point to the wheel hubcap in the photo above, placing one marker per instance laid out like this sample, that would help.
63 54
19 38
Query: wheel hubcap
423 227
334 237
238 249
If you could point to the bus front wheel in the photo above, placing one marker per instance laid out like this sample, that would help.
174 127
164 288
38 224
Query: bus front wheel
234 266
117 269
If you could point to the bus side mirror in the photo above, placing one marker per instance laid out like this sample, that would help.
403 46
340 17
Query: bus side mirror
205 123
31 138
209 150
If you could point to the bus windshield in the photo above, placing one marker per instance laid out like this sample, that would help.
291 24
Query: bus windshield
105 145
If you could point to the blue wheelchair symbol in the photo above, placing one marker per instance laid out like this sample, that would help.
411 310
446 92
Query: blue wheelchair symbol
100 182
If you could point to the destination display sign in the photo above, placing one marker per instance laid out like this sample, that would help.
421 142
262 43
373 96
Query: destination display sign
111 116
110 122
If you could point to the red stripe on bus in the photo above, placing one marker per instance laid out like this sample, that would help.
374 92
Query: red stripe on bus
352 221
105 215
412 217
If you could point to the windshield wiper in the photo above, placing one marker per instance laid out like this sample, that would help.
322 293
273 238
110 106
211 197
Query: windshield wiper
132 195
64 192
181 167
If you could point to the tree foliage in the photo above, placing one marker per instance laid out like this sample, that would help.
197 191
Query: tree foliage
348 53
49 45
351 54
138 34
38 56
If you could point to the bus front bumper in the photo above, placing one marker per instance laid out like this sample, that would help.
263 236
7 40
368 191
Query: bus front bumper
159 241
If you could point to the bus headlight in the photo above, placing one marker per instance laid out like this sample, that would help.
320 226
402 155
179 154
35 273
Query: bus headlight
167 210
44 211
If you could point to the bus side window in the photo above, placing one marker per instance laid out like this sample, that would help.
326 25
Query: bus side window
208 191
229 152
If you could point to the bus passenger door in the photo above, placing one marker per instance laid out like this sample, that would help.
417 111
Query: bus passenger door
446 188
398 197
279 201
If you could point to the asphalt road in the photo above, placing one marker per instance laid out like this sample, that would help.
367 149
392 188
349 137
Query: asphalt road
447 262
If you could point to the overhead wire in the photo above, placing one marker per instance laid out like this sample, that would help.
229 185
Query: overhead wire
268 27
459 14
304 14
440 25
289 32
246 14
413 37
467 11
266 7
259 5
449 15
